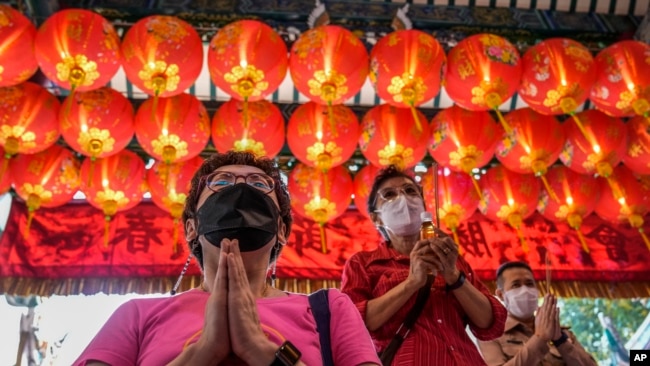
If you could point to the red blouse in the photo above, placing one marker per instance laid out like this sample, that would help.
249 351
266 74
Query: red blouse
438 337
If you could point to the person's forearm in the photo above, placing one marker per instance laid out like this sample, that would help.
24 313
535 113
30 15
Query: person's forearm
531 353
475 303
379 310
573 354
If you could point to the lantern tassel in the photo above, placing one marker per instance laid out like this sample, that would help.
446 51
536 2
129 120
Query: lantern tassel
581 127
616 189
154 107
91 171
583 242
476 187
107 226
503 121
68 102
175 235
414 112
330 116
645 238
549 189
245 113
323 238
30 217
5 166
522 240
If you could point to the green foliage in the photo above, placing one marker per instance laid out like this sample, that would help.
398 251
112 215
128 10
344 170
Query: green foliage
582 316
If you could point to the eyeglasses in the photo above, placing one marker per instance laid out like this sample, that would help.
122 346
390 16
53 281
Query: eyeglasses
217 181
391 193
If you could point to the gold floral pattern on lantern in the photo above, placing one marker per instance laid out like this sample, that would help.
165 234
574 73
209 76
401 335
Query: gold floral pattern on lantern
629 97
397 155
247 81
407 88
555 96
247 144
465 158
324 155
170 147
160 77
13 134
111 200
320 209
488 92
535 161
96 141
599 164
175 202
77 70
512 214
329 85
451 214
37 194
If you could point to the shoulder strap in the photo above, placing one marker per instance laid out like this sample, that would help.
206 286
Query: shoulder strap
389 352
320 308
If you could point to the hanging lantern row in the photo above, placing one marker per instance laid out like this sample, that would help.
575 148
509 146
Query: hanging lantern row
51 177
101 122
79 50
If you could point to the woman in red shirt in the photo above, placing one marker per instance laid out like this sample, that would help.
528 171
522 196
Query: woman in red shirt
383 283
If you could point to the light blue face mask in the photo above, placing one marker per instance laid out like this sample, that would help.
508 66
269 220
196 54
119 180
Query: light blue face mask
401 216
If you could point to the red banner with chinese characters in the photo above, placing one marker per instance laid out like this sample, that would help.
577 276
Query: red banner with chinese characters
67 242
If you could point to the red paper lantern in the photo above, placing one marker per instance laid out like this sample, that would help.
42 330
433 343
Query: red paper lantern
601 150
116 185
362 184
637 153
312 140
622 86
629 204
179 130
248 60
78 49
320 196
577 196
463 140
406 67
509 197
534 145
558 74
261 132
28 120
17 59
328 64
99 123
457 199
484 71
49 178
163 55
389 136
169 185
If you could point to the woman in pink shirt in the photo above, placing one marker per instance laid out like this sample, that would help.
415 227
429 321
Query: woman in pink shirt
237 219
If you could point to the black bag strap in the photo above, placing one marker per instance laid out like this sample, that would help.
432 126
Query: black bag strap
320 308
387 355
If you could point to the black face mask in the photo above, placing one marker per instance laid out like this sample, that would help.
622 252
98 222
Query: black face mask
239 212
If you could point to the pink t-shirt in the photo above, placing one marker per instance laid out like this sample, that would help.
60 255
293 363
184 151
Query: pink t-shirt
152 332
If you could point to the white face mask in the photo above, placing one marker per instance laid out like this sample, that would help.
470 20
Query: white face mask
521 302
401 216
